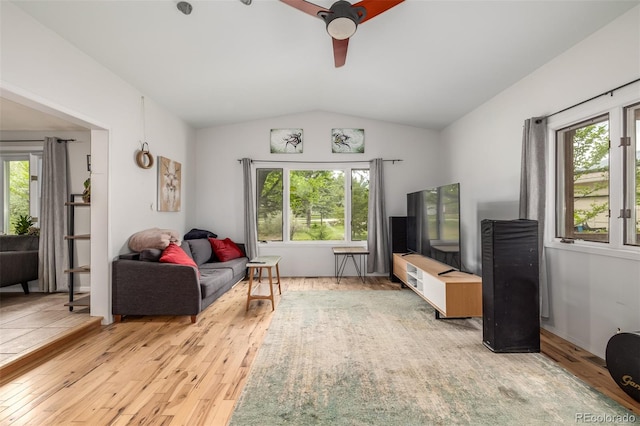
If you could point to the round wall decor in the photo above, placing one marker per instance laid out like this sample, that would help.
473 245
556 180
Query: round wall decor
144 159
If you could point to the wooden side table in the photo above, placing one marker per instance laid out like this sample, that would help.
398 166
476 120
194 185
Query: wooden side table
268 262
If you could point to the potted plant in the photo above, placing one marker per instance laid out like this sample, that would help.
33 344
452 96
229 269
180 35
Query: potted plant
23 224
86 194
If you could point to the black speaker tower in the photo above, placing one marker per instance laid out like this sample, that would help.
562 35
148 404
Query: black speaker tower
397 240
510 281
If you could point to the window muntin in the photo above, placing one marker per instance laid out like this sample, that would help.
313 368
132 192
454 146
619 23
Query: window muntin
304 204
583 181
631 158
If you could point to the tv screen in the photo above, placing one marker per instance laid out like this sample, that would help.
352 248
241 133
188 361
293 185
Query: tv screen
433 224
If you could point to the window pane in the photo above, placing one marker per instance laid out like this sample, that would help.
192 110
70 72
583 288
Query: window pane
316 203
17 173
583 179
632 177
359 204
269 191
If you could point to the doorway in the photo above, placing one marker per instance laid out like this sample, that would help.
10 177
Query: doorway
22 114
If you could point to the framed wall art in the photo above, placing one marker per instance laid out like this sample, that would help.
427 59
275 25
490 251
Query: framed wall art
286 141
347 141
169 183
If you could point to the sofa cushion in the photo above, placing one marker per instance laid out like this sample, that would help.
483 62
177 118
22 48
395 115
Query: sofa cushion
225 249
212 280
238 266
201 251
175 254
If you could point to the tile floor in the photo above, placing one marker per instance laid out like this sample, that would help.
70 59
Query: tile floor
29 320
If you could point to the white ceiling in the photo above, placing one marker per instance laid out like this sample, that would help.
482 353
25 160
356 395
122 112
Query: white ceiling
18 117
422 63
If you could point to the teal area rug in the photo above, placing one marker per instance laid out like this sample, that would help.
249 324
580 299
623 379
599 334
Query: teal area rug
381 358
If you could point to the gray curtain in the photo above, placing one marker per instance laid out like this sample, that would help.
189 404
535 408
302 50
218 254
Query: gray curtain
250 227
378 259
53 254
533 192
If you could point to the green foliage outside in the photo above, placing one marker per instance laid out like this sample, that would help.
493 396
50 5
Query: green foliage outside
359 204
269 183
591 173
18 193
316 205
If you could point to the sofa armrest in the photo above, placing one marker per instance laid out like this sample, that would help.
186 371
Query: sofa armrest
17 267
152 288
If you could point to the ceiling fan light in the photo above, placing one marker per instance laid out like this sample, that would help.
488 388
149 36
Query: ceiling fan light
341 28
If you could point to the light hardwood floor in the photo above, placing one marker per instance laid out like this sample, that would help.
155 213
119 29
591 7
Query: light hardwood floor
165 370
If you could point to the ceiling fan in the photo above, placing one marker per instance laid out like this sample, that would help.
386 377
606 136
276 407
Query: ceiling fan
342 19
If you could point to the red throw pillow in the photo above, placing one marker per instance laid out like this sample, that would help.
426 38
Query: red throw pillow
225 249
174 254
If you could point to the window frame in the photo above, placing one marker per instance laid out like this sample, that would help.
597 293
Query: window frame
629 185
614 106
287 167
34 157
566 188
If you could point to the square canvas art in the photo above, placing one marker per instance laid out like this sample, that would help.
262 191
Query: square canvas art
169 182
286 141
347 140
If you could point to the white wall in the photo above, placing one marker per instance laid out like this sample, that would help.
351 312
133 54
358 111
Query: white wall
591 295
219 175
39 67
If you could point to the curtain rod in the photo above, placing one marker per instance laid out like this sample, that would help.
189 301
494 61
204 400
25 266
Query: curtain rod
608 92
35 140
393 161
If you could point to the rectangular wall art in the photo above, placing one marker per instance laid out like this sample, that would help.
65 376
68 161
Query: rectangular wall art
286 141
347 141
169 182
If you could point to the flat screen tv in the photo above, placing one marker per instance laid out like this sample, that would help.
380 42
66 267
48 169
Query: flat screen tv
433 224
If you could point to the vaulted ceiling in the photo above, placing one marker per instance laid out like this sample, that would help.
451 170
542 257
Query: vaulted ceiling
422 63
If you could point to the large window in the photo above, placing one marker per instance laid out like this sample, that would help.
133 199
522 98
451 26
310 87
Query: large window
20 188
598 177
310 204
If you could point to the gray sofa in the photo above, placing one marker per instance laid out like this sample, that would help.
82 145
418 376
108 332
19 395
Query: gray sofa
141 285
18 260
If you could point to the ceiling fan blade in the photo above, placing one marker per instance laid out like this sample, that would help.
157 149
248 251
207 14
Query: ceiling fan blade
340 51
376 7
306 7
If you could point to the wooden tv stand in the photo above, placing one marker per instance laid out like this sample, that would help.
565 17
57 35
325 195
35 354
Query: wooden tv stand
453 295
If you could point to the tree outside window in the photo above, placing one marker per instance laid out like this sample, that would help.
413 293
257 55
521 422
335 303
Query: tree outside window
322 205
17 189
583 151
